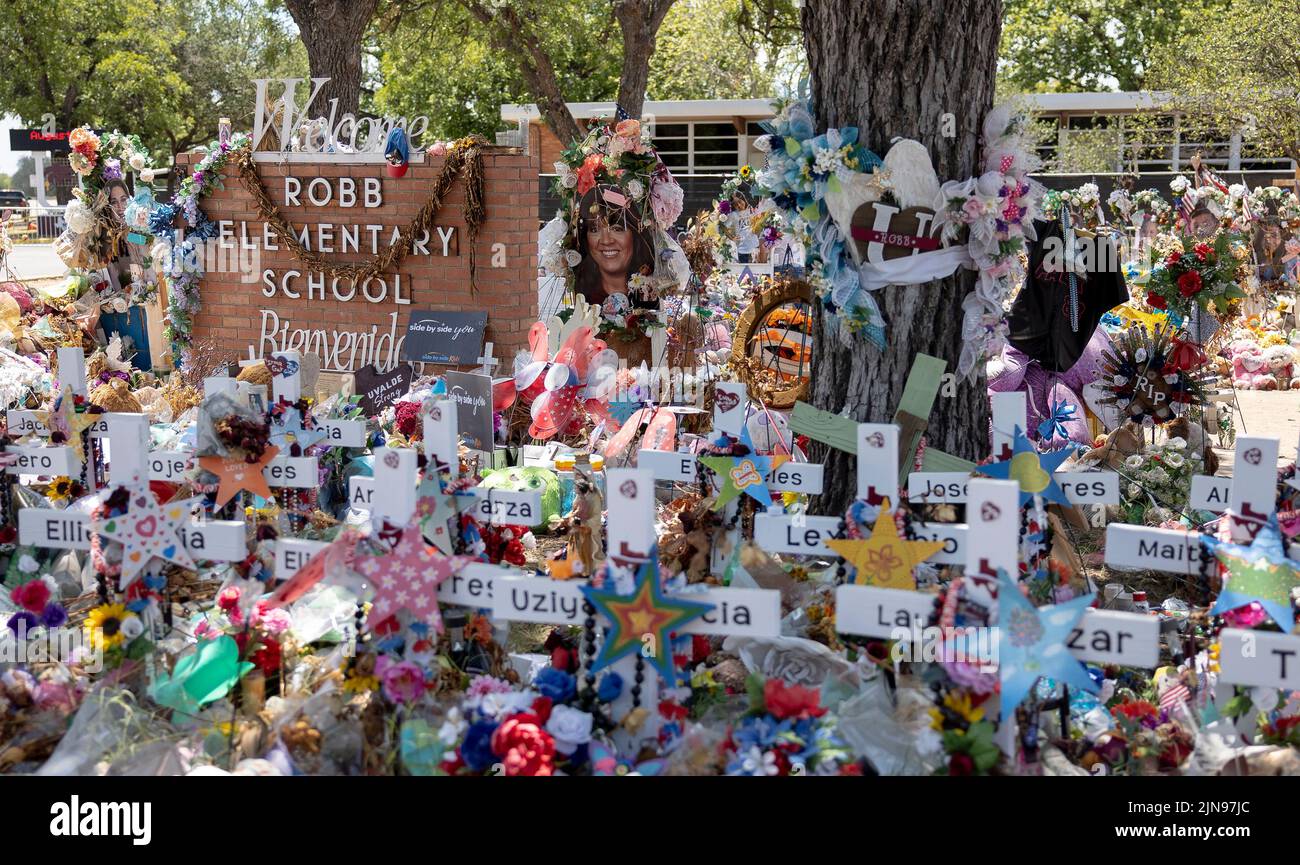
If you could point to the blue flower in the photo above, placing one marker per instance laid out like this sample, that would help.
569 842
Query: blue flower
556 684
476 750
609 688
54 615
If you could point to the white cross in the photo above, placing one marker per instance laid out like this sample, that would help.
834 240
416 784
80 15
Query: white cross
487 360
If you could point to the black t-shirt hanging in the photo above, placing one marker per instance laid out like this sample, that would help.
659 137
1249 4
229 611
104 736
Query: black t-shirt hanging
1040 315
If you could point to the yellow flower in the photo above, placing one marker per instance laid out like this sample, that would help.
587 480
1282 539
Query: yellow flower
959 705
359 684
104 626
746 172
60 488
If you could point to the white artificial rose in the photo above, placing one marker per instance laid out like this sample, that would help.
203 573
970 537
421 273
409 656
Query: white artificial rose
147 175
132 627
137 162
793 660
78 216
570 727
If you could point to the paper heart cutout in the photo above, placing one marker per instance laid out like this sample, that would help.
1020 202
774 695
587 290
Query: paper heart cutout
990 512
1026 469
391 459
726 400
147 526
110 526
135 555
169 552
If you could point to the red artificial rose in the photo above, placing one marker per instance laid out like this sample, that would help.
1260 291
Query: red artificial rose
564 658
701 648
542 709
587 173
267 657
1202 251
8 534
1174 258
961 764
1186 355
673 711
407 419
31 596
1155 300
1136 710
525 748
1189 283
791 701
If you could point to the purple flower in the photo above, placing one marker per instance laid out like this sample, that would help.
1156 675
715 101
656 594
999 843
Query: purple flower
54 615
112 169
724 207
22 622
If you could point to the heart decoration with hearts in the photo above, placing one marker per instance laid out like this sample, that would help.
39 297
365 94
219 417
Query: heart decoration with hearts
726 400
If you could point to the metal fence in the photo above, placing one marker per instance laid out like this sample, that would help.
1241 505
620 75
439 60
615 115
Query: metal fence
33 223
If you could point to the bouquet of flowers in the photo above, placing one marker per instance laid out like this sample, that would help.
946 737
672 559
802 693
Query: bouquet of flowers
1158 481
1196 274
786 732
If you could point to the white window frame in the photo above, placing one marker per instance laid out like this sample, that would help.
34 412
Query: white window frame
691 152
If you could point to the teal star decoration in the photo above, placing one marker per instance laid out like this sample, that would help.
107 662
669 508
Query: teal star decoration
1033 470
1031 643
435 509
643 620
1260 572
747 474
288 430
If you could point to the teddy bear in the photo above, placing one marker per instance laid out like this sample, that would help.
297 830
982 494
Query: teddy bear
1281 361
1249 369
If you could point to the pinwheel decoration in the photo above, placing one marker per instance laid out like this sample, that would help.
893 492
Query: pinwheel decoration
562 391
1153 374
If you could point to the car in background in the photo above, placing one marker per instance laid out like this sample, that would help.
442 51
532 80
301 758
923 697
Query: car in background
16 215
11 199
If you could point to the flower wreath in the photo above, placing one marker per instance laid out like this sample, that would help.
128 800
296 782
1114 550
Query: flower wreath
1153 376
94 233
801 168
178 259
1270 201
619 162
1196 274
1132 208
998 211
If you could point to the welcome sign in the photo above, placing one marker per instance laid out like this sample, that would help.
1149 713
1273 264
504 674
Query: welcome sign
326 178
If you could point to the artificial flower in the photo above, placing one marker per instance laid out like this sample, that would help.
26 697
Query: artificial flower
570 728
33 595
525 748
103 626
791 701
402 681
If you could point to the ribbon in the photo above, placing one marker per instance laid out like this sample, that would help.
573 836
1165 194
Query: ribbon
890 238
1054 426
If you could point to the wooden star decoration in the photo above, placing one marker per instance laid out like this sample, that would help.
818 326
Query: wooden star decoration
1260 573
288 430
64 418
885 559
642 621
148 531
744 474
407 578
235 474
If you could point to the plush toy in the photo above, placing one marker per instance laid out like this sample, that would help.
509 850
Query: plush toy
1281 361
525 478
1114 447
1014 370
1249 369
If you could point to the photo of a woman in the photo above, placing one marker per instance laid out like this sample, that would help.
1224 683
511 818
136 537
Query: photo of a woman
1267 246
137 325
614 249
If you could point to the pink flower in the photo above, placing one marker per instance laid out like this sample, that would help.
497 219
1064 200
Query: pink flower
273 620
402 681
229 598
972 210
666 198
481 686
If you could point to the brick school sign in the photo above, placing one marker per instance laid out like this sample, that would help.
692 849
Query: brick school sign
345 208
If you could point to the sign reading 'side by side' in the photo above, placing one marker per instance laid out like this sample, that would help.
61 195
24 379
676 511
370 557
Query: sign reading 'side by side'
451 338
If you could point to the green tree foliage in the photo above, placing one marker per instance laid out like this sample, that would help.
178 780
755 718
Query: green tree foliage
437 60
1240 69
165 70
1085 45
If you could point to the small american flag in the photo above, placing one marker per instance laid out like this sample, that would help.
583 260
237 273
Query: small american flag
620 114
1173 695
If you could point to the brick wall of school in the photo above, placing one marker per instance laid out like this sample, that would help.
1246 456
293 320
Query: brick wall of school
233 312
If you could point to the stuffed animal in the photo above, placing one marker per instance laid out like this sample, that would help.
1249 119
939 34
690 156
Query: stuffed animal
1281 361
1114 447
1249 369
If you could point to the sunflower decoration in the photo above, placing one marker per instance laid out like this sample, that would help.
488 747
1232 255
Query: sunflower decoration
1153 374
110 625
62 488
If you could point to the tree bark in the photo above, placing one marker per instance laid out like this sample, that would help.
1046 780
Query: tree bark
508 33
895 68
332 32
639 21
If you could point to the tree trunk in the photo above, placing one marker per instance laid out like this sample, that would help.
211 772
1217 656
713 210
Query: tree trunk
332 31
639 21
895 68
